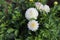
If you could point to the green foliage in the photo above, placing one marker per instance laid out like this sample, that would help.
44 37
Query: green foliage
13 24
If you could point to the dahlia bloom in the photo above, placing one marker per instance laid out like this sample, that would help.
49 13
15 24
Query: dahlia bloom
39 6
46 8
31 13
33 25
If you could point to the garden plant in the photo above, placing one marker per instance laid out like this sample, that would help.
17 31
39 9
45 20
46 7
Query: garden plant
29 20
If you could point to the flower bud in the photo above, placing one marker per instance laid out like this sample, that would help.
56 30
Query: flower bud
55 3
31 0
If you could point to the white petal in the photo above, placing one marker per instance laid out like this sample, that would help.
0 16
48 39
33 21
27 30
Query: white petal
46 8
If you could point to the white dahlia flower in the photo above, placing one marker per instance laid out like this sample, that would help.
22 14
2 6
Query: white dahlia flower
46 8
39 6
31 13
33 25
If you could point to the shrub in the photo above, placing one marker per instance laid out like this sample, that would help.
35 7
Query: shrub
13 24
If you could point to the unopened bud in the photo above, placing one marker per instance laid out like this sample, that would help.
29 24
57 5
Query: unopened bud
55 3
31 0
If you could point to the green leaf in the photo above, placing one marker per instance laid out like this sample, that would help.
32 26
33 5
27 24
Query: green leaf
16 32
59 7
1 36
3 25
10 30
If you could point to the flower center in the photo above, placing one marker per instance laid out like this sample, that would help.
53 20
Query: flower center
33 25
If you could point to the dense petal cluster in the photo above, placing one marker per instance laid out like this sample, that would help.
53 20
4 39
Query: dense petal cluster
31 13
39 6
46 8
42 7
33 25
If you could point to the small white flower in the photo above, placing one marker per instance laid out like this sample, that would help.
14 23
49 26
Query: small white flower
39 6
46 8
33 25
31 13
